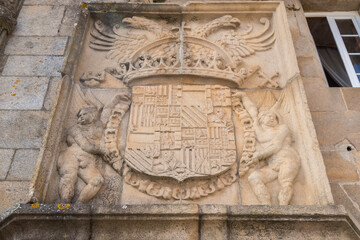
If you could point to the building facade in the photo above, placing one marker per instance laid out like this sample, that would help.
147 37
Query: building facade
235 59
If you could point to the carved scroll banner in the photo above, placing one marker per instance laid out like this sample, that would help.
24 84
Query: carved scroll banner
181 131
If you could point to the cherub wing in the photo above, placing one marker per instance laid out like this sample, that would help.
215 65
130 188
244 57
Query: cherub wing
121 101
284 107
79 100
92 100
244 44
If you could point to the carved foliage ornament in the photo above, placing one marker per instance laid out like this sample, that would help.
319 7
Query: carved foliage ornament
143 47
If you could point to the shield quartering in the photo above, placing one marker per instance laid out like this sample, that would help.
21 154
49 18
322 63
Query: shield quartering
181 131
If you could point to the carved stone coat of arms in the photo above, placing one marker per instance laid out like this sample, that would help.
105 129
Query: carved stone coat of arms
184 107
181 131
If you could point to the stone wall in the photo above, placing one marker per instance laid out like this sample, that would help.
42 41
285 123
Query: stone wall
336 115
31 73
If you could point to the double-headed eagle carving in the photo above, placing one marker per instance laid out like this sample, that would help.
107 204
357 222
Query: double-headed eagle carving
221 44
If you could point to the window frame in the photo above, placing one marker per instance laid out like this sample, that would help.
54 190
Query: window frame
331 18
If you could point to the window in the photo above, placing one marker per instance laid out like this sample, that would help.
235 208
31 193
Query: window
337 39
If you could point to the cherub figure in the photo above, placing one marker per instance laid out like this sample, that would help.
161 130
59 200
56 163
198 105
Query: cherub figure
78 160
273 146
85 145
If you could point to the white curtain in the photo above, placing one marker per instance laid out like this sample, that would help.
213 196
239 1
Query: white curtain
333 65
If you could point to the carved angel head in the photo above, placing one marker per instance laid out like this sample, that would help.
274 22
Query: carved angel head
269 118
87 115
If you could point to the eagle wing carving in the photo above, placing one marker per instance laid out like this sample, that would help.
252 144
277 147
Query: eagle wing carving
120 45
243 44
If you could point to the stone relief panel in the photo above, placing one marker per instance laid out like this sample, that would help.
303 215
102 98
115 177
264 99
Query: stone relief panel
184 109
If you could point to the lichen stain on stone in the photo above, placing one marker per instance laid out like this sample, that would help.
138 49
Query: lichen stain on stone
14 94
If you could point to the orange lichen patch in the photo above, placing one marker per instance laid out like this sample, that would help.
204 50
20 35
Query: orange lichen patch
63 206
84 5
17 81
14 94
40 60
35 205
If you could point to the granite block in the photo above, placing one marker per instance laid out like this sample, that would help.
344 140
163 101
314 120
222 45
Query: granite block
23 93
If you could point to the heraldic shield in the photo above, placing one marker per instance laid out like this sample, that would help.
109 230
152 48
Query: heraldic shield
181 131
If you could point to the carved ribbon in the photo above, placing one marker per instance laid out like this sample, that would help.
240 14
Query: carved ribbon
194 191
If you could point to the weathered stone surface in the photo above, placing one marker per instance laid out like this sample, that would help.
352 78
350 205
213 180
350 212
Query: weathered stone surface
339 168
353 191
36 46
33 66
8 15
51 93
25 93
213 225
310 67
51 2
167 222
324 100
289 230
157 228
6 155
70 18
333 127
23 164
352 98
304 47
331 5
354 138
340 197
39 21
22 129
13 192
